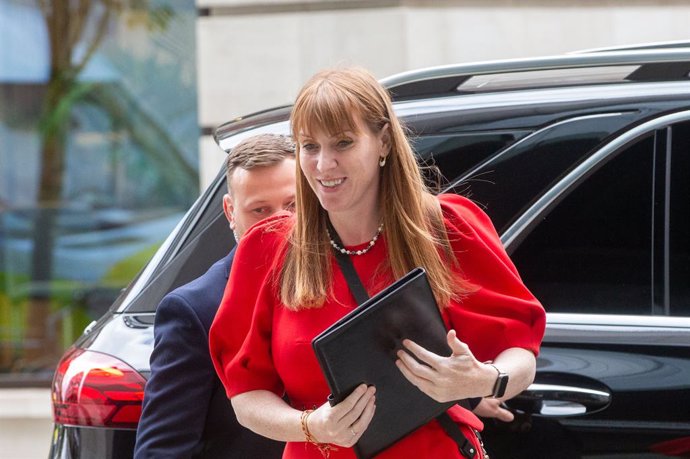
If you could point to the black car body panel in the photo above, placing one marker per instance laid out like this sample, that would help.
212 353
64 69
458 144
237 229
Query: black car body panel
583 184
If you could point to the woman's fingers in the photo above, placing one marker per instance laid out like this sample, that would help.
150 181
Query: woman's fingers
413 366
407 373
438 376
422 354
360 403
361 424
456 346
344 423
493 408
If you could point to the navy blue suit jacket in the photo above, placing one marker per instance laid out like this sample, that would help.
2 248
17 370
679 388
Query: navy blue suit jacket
186 412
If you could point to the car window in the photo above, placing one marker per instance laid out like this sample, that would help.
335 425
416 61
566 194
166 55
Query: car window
209 240
593 252
679 234
511 180
219 189
455 154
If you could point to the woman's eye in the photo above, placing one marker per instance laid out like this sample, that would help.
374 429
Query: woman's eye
344 143
308 147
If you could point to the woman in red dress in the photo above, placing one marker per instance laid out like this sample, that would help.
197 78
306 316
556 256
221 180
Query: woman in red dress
357 171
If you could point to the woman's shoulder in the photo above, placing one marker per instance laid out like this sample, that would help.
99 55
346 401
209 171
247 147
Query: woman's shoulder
264 242
461 214
271 229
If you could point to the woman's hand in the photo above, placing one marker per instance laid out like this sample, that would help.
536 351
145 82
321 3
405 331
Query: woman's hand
446 379
345 422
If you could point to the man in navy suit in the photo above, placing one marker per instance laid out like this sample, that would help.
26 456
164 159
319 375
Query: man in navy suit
186 413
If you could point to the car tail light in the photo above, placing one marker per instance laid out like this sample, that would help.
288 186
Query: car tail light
95 389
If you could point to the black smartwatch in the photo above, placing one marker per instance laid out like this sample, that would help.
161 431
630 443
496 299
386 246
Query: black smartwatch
501 383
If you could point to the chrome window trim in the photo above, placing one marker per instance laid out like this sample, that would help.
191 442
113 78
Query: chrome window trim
226 138
620 330
619 321
542 96
533 214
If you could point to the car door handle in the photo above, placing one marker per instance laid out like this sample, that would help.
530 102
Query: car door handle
556 400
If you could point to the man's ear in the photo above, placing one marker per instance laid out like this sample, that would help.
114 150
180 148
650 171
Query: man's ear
228 210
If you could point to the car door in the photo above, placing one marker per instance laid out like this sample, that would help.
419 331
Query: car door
606 251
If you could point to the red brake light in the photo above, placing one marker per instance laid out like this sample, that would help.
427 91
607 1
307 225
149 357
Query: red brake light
94 389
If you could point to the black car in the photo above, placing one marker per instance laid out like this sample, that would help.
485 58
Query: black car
583 163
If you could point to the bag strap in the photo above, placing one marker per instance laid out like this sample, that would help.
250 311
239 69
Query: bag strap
453 430
353 281
360 294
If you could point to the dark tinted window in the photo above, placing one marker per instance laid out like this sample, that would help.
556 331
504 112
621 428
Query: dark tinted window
210 239
592 252
457 153
507 184
211 212
680 221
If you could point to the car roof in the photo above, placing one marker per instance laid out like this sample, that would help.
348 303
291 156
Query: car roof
598 72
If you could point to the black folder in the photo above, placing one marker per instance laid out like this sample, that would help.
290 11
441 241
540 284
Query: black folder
361 348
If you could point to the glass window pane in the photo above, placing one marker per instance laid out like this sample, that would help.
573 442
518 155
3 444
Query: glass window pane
680 221
501 185
98 147
592 253
456 154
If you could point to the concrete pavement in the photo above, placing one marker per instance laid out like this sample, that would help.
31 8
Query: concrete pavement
26 423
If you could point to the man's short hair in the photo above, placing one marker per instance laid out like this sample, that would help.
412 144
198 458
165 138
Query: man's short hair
259 151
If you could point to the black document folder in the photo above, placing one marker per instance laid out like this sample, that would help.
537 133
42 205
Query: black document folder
361 348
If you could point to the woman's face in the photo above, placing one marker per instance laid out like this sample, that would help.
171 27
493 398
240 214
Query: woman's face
343 169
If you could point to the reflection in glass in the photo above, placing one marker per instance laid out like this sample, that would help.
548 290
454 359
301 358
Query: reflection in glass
98 147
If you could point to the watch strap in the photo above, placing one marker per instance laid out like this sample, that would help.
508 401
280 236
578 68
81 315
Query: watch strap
501 383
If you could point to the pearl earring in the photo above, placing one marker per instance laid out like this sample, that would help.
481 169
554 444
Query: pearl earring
382 161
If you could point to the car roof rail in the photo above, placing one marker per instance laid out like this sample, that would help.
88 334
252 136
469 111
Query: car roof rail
668 64
249 122
638 46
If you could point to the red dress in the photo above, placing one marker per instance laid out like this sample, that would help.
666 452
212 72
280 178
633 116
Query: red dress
276 353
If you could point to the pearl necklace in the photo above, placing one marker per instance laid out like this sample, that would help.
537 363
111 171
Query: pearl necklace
355 252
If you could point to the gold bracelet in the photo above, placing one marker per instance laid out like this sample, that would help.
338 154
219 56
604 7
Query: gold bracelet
303 420
325 448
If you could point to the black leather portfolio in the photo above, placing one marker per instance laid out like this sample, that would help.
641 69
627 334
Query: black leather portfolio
361 348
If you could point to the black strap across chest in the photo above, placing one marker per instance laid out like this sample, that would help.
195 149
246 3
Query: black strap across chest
353 281
360 294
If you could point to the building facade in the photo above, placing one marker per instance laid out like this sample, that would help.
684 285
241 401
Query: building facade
255 55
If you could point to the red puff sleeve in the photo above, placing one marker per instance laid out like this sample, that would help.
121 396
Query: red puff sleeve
501 313
240 336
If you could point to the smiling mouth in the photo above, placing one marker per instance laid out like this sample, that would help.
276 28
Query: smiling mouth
331 183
